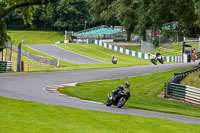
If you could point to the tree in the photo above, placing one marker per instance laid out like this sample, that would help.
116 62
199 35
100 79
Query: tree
71 14
103 11
126 14
114 12
27 8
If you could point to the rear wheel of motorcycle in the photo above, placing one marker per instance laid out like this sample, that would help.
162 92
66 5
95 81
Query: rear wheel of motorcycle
121 102
161 61
109 102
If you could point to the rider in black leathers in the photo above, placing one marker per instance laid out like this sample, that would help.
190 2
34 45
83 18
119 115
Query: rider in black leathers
158 54
120 88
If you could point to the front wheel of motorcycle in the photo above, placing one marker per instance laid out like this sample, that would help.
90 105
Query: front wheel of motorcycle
154 62
109 102
121 102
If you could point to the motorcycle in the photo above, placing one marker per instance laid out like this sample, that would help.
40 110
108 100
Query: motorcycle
154 59
120 99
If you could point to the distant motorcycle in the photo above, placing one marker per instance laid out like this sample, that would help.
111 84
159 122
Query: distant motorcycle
120 99
154 59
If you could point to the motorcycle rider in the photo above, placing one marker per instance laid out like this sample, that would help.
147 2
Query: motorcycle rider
121 88
159 57
114 60
158 54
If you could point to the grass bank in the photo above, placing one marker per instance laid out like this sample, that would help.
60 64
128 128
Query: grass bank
103 54
144 91
36 37
21 117
192 80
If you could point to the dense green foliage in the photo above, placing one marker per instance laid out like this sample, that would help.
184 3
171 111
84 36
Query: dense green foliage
65 15
3 36
141 15
26 7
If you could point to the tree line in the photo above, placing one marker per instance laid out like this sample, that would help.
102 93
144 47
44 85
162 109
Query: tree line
134 15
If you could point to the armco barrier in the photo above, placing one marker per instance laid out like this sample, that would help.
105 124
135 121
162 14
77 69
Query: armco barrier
185 93
198 55
139 54
38 58
175 90
6 66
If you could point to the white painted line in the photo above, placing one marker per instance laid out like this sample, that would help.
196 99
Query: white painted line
54 90
80 54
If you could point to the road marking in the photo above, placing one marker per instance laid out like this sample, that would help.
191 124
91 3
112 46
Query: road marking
54 90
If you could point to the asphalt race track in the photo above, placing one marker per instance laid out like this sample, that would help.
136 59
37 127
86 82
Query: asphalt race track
64 54
31 87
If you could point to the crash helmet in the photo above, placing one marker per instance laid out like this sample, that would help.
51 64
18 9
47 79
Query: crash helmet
127 84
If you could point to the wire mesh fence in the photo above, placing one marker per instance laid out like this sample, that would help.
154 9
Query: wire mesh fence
31 65
146 47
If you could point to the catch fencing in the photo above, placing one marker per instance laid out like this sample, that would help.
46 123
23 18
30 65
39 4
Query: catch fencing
146 47
38 58
175 90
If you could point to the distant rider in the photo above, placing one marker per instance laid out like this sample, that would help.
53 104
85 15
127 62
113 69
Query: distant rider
114 60
121 88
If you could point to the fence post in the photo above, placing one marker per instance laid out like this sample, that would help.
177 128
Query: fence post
167 89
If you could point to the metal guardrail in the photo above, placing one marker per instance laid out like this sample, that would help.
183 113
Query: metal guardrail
198 55
175 90
185 93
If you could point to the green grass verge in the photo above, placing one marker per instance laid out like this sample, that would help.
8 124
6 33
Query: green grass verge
192 80
36 37
103 54
144 91
18 116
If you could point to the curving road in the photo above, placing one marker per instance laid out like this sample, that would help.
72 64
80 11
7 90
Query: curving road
64 54
30 87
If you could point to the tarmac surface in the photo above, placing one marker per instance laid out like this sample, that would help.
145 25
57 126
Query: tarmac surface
32 87
64 54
